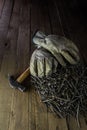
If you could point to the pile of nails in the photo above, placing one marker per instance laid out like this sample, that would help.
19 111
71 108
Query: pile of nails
64 92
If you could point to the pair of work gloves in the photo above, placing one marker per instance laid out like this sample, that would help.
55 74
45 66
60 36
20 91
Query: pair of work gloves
52 51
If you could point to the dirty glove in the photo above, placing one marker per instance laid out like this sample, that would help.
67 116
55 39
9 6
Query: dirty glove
61 48
42 63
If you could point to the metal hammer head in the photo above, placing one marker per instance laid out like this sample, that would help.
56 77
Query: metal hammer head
15 84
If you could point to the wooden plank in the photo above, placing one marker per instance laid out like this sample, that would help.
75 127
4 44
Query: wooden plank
4 21
18 115
4 24
58 30
5 91
62 20
19 111
31 114
34 21
4 117
74 125
5 99
55 20
39 18
1 6
32 95
37 117
77 33
8 66
19 104
56 123
73 28
23 39
45 25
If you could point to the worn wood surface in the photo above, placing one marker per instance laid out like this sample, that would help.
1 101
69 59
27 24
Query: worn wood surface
19 19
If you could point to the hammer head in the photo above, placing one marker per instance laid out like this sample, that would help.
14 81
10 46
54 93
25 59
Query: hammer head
14 84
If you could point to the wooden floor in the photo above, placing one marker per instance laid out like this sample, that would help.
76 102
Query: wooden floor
18 21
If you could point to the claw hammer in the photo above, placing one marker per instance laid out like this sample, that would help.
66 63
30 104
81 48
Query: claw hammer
16 83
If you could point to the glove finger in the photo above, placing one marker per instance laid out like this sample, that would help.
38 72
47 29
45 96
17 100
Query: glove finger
59 59
39 34
70 44
40 67
68 57
74 54
33 68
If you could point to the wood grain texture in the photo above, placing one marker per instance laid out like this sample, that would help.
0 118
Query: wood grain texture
58 30
1 6
19 102
75 30
4 24
19 19
39 112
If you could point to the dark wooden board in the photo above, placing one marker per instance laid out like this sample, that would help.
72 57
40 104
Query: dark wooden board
1 6
75 30
39 114
4 24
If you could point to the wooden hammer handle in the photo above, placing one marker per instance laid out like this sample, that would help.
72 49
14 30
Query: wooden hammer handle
23 76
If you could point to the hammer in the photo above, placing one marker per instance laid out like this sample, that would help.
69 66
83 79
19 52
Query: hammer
16 83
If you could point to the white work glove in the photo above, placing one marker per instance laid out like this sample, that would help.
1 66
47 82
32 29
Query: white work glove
60 47
42 63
